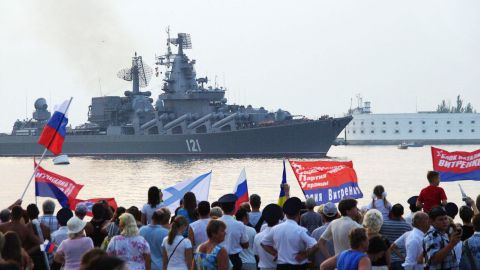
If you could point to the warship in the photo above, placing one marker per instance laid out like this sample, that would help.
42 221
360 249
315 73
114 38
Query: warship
188 118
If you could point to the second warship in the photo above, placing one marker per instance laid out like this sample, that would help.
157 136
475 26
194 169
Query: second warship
188 118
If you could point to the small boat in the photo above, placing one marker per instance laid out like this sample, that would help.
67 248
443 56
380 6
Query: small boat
414 144
403 145
61 160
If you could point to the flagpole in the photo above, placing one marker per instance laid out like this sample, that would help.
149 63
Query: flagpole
41 159
33 174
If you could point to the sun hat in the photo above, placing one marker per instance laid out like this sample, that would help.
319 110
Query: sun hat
75 225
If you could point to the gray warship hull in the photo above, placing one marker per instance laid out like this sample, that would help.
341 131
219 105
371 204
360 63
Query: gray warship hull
304 138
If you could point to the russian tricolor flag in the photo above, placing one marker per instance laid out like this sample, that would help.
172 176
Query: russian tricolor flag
241 189
48 247
54 132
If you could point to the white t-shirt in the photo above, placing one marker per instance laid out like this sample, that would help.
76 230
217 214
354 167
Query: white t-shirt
338 231
177 260
199 229
148 210
289 239
236 234
266 259
247 254
380 206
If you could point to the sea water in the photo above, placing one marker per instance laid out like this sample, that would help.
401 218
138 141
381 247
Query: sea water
401 172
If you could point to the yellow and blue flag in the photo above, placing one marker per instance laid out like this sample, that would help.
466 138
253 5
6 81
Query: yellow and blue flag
282 198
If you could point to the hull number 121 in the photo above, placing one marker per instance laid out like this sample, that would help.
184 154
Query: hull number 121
193 145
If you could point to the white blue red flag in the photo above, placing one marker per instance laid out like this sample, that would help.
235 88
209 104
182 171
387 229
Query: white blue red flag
90 202
241 189
200 186
327 181
52 185
458 165
48 247
54 132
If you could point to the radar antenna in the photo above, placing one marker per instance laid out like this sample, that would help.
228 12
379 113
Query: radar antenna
183 41
139 73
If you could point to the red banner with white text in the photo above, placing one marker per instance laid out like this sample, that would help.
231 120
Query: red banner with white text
327 181
458 165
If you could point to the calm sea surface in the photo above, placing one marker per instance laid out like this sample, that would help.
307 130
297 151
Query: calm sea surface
401 172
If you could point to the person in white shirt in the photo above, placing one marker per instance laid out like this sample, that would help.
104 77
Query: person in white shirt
246 255
197 231
177 250
414 242
379 202
412 204
271 214
339 229
154 203
236 238
288 241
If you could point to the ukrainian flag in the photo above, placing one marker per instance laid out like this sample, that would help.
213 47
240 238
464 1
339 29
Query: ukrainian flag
282 198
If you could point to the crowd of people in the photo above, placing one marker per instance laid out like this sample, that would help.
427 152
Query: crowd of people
220 235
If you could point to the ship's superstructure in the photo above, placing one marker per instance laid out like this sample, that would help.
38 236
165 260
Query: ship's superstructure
422 127
188 117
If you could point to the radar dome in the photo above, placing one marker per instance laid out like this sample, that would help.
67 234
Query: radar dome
41 104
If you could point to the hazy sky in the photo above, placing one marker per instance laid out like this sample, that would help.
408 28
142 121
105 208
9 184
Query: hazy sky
309 57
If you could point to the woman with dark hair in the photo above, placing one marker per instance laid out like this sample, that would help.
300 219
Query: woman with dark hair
13 251
177 249
154 202
379 201
113 227
189 207
95 228
210 255
135 212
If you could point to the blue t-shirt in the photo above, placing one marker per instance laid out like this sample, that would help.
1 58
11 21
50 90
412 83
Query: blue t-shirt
183 212
349 259
154 234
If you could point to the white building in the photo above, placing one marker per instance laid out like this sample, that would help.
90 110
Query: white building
422 127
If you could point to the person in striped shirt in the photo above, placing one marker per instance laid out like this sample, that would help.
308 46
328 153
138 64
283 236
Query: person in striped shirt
393 227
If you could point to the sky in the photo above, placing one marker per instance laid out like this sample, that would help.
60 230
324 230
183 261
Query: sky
308 57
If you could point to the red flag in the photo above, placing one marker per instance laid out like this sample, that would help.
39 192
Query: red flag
90 202
458 165
327 181
49 184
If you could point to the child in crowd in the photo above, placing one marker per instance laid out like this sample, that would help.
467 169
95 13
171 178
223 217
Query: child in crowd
433 195
379 202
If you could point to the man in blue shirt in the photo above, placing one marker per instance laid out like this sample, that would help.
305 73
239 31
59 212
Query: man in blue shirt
154 233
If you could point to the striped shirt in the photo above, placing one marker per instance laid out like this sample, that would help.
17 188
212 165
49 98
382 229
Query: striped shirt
392 230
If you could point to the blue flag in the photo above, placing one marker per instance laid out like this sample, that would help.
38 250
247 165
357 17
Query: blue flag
282 198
